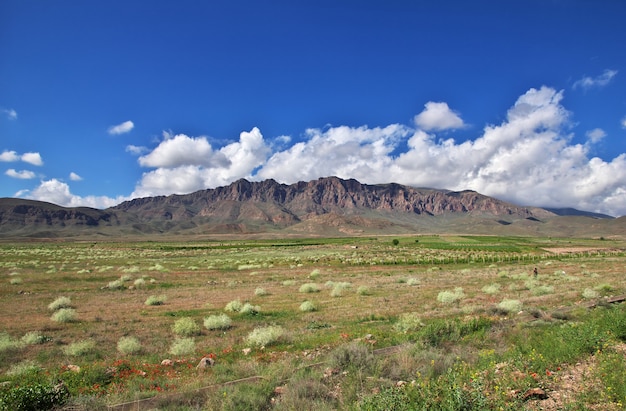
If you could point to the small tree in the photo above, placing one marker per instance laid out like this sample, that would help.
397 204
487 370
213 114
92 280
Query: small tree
395 241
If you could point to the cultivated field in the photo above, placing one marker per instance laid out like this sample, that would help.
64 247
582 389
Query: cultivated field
377 323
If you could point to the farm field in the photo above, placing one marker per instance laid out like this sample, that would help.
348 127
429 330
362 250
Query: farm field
373 323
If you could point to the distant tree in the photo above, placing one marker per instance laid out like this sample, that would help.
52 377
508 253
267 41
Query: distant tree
396 241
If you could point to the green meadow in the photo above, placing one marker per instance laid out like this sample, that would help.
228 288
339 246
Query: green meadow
418 322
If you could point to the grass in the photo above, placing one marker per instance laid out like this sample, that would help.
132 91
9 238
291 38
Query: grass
468 350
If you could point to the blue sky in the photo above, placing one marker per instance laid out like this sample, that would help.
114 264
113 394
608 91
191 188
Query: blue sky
523 100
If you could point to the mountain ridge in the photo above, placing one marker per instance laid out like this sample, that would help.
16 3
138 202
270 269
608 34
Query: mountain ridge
328 205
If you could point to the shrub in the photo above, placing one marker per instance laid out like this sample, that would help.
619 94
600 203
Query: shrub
126 278
315 273
7 343
183 346
307 306
354 355
395 241
64 315
61 302
588 293
260 292
250 309
218 322
79 348
38 397
542 290
15 281
508 306
264 336
412 281
23 368
115 285
408 322
156 300
449 297
186 327
287 283
363 290
128 345
309 288
140 282
338 288
491 289
34 337
234 306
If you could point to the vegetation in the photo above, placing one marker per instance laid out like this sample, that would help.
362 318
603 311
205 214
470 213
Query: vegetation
437 322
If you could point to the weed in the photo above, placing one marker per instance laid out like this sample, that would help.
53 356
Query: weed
65 315
491 289
354 355
508 306
140 282
589 294
79 348
363 290
234 306
250 309
23 368
8 343
308 306
183 346
35 337
408 322
260 292
156 300
15 280
309 288
450 297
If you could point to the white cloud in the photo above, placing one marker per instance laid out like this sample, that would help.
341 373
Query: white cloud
185 164
438 116
58 192
32 158
136 150
602 80
10 113
9 156
22 175
623 122
75 177
122 128
595 135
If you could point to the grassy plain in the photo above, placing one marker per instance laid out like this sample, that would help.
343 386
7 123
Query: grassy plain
425 322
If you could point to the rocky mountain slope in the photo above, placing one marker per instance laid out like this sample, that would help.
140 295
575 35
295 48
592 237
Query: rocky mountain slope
327 206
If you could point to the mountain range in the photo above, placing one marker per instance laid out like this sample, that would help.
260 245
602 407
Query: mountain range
328 206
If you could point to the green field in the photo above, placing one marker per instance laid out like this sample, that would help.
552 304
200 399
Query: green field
372 323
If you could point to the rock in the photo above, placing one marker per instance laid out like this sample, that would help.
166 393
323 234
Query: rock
534 394
205 362
167 362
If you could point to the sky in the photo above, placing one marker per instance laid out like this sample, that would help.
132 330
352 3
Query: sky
522 100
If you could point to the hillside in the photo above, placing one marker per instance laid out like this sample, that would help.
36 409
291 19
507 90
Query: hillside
327 206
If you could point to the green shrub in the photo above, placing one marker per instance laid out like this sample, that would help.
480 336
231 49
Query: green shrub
491 289
116 285
140 282
314 274
186 327
218 322
234 306
355 355
33 397
183 346
288 283
309 288
264 336
408 322
588 293
510 306
79 348
156 300
8 343
542 290
449 297
307 306
413 281
15 281
35 337
61 302
126 278
23 368
363 290
250 309
64 315
128 345
260 292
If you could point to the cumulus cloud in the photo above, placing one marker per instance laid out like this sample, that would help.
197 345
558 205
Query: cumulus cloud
437 117
595 135
185 164
75 177
122 128
623 122
22 175
32 158
10 113
602 80
9 156
58 192
136 150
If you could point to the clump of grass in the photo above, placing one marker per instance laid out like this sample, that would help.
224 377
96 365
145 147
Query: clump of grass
308 306
338 288
508 306
250 309
79 348
491 289
128 345
314 274
604 288
589 293
23 368
355 355
264 336
450 297
34 338
158 267
126 278
260 292
156 300
183 346
363 290
61 302
309 288
288 283
115 285
15 281
413 281
234 306
8 343
542 290
140 282
186 327
408 322
64 315
218 322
